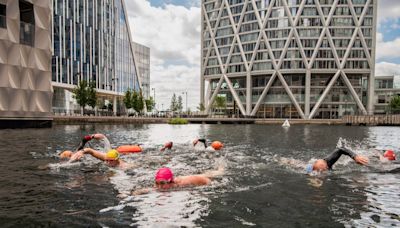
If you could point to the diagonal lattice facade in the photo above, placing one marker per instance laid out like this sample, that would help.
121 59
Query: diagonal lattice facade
289 58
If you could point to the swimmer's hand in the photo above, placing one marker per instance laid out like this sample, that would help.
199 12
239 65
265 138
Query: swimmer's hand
140 191
77 156
361 160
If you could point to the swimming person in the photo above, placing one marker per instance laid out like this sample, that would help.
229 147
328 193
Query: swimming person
168 145
112 157
215 145
387 156
328 162
102 138
165 180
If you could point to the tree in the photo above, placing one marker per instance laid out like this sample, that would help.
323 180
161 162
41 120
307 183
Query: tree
201 107
395 104
220 102
128 99
80 94
179 105
139 103
173 106
134 101
92 95
150 104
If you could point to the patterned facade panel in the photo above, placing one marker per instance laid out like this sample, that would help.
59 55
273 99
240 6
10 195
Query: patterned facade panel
20 81
42 39
42 17
15 76
4 78
13 29
4 101
4 46
13 10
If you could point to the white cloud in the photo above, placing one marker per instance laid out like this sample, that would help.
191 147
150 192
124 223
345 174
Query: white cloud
387 50
388 9
173 35
387 69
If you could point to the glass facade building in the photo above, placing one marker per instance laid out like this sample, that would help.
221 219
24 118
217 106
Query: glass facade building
142 55
25 62
289 58
91 41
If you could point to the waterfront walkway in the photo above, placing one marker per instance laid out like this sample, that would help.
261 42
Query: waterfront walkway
149 120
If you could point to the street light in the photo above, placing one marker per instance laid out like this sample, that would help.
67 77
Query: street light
154 97
186 100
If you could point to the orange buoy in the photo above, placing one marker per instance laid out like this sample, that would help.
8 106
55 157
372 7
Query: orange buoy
125 149
217 145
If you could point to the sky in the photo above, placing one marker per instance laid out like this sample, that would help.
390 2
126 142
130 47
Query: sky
171 28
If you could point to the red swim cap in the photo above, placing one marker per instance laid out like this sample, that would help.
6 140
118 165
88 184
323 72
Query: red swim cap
217 145
168 145
390 155
164 174
87 137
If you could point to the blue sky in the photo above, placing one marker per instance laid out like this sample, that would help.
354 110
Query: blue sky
171 28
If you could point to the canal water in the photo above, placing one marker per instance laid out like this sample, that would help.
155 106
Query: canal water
263 185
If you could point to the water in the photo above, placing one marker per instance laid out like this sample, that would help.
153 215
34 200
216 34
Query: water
264 184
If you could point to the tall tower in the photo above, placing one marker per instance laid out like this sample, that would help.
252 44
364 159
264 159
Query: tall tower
289 58
92 41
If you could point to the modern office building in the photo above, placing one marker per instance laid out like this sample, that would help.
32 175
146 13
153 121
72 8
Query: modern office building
386 87
289 58
142 54
92 41
25 69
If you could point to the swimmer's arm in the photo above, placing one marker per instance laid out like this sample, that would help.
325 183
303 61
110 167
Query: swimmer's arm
335 155
214 173
141 191
97 154
380 156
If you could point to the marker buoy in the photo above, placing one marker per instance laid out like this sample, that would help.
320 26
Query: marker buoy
286 123
217 145
125 149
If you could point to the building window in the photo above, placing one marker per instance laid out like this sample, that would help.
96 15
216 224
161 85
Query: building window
27 23
3 14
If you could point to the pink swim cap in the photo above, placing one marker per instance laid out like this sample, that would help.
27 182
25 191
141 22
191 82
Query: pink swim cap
164 174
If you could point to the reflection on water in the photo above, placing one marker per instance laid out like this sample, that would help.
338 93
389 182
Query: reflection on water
264 183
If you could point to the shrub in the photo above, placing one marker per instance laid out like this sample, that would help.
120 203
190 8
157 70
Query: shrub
178 121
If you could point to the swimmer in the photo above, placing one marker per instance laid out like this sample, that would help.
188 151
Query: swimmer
100 137
165 180
111 157
65 155
388 156
167 145
326 164
215 145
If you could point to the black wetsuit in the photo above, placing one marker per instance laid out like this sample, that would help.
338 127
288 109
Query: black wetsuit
204 141
335 155
82 143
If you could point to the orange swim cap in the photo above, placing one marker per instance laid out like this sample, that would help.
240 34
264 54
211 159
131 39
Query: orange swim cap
390 155
217 145
66 154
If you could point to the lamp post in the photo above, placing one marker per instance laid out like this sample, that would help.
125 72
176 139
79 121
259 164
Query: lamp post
154 97
186 100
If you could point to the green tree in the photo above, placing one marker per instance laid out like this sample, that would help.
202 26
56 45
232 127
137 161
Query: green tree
201 107
80 94
173 105
91 95
128 99
179 105
220 102
150 104
395 104
134 101
139 102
